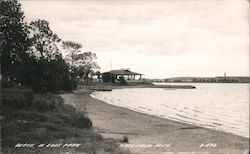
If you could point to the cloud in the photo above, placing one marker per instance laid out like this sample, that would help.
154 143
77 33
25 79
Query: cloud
196 31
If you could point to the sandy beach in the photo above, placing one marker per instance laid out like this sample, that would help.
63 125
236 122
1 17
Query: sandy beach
149 134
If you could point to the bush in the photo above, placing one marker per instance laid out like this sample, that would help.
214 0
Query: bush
122 80
74 84
16 98
71 116
8 84
124 139
44 102
44 90
107 77
67 85
81 121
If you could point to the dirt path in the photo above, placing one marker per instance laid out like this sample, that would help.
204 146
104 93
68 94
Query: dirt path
149 134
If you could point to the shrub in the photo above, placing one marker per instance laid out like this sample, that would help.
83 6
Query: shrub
106 77
73 117
124 139
8 84
16 98
67 84
44 102
44 90
81 121
74 84
122 80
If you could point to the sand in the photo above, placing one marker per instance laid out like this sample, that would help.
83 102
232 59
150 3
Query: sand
150 134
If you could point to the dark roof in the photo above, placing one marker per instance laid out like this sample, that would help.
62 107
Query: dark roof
122 72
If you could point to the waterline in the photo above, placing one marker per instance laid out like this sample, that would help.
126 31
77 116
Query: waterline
223 107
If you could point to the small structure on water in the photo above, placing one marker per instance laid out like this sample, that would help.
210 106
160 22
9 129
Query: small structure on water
121 75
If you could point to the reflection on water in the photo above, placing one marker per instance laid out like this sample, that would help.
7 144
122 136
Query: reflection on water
222 107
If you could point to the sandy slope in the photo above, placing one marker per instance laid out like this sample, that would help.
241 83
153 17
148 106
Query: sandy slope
148 131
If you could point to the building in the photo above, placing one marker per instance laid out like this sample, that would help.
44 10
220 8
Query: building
233 79
113 75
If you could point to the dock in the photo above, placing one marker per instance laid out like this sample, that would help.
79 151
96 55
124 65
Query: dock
101 88
174 86
167 87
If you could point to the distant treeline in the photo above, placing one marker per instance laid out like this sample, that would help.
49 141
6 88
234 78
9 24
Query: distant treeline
229 79
31 56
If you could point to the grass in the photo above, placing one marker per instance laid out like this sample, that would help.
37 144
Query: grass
44 118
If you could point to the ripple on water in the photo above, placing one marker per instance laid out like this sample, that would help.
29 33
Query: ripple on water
222 107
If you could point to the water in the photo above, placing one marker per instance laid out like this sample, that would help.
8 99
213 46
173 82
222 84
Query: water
219 106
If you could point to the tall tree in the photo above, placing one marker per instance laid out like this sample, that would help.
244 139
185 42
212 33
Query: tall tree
82 63
29 53
87 65
73 50
13 38
45 50
72 56
44 41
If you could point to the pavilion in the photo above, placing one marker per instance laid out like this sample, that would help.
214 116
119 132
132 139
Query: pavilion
126 73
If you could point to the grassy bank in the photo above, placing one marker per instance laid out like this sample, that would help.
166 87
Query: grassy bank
44 119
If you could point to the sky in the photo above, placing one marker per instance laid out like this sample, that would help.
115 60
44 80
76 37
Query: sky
160 39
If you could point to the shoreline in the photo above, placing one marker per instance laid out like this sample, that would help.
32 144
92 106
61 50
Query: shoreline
192 126
144 131
158 115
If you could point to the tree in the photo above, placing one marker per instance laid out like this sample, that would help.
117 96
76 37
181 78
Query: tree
59 75
44 41
87 65
29 53
98 73
82 63
13 38
72 56
51 71
72 49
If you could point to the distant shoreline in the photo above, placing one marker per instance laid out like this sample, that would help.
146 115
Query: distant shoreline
208 82
218 79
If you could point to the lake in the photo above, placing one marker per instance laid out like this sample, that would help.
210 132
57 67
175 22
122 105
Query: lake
219 106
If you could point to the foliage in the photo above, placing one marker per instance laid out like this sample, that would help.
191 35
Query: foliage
82 63
43 41
109 77
16 97
46 113
87 65
122 80
8 84
124 139
73 50
30 55
13 38
47 70
106 77
61 123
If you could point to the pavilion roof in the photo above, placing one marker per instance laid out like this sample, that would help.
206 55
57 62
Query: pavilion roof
122 72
